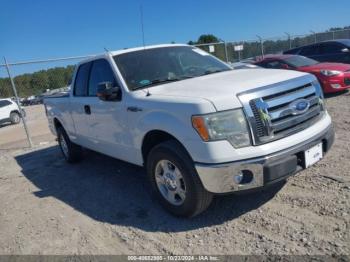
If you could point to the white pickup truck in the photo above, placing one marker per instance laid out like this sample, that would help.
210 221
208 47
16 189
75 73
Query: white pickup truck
197 126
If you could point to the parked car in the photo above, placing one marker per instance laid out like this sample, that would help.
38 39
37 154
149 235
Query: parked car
334 77
327 51
198 127
32 100
9 111
37 100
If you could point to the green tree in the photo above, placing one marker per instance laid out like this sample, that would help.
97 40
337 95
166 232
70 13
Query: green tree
40 81
205 39
37 82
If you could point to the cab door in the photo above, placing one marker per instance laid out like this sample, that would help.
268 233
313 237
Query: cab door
108 119
79 108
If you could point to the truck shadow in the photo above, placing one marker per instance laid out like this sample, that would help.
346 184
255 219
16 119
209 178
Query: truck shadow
112 191
331 95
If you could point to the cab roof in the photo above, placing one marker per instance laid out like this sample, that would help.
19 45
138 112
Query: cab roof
128 50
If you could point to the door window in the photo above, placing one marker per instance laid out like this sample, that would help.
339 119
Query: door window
81 80
101 71
310 50
275 64
4 103
331 48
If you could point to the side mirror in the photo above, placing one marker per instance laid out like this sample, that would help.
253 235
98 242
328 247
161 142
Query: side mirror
345 50
284 66
107 92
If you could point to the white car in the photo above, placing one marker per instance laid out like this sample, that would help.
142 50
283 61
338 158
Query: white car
9 112
197 126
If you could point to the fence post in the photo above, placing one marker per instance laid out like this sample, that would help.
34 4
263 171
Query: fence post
315 35
262 46
289 40
18 103
226 56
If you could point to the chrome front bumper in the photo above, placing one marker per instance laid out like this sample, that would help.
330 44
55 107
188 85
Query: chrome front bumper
219 178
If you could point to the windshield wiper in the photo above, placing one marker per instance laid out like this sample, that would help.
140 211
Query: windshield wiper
161 81
208 72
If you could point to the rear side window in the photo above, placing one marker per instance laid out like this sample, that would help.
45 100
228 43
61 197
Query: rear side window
4 103
274 64
81 80
101 71
310 50
331 48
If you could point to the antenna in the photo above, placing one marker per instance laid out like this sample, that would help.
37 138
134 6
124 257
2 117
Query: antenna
107 51
143 32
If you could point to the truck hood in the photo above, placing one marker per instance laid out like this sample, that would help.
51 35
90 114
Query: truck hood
221 89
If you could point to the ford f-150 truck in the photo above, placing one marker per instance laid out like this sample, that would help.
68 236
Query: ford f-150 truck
197 126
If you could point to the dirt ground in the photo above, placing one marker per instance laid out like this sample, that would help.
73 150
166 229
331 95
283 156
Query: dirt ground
14 136
102 205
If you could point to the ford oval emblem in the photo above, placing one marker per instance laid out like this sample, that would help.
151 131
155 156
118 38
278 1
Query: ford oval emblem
299 106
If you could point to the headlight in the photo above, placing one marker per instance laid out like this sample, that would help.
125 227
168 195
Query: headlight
319 93
228 125
318 88
330 72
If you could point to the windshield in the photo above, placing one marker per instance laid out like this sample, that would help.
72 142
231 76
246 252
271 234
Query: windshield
150 67
299 61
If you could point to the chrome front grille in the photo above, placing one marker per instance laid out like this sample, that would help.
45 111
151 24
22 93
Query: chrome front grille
280 110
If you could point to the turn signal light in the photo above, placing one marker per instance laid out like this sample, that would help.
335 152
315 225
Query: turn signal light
199 125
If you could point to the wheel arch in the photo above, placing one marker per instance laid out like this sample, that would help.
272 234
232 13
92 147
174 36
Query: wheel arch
57 123
15 111
155 137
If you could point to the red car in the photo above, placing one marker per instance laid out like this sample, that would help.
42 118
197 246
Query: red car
334 77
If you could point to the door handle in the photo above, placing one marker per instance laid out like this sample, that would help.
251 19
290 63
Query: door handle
87 109
134 109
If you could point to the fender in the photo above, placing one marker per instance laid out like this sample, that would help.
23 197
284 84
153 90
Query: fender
55 113
179 128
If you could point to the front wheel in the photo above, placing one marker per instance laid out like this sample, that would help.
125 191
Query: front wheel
71 152
15 118
175 181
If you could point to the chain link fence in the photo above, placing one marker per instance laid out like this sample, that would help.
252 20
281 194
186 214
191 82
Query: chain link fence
35 79
31 82
242 50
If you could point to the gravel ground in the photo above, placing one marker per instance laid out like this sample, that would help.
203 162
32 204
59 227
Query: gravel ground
101 206
14 136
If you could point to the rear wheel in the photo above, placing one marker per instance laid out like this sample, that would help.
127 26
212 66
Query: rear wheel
15 118
175 181
71 152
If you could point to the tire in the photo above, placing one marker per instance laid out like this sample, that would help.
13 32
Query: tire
190 197
15 118
70 151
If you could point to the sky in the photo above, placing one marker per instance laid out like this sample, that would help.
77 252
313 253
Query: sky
48 29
